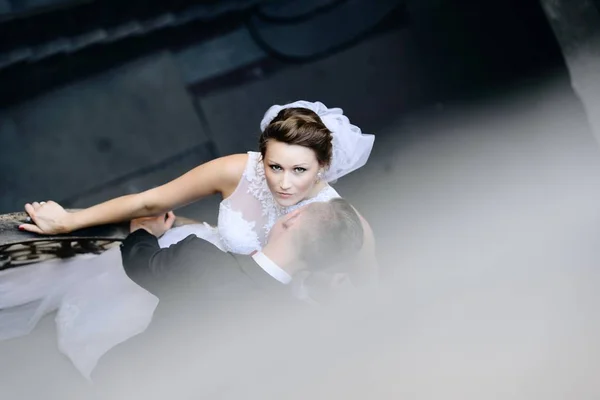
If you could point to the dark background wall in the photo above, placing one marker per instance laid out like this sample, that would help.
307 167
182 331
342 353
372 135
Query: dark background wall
482 187
98 94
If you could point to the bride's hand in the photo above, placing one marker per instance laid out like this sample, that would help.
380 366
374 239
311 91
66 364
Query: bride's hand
48 218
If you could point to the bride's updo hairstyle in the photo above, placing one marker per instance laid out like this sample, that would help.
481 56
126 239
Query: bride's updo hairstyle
302 127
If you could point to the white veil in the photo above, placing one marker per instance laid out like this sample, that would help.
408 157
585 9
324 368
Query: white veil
351 150
98 305
351 147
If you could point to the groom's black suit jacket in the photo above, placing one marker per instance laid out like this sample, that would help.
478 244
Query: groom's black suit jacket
196 271
214 309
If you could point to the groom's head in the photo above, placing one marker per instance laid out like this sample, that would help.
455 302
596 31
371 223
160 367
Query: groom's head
317 235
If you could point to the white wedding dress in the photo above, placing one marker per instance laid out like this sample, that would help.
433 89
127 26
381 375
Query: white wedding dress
98 306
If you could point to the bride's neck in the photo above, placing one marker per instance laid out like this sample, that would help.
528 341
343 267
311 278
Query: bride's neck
316 190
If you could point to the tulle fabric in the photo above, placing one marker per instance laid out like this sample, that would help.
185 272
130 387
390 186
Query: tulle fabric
97 305
351 147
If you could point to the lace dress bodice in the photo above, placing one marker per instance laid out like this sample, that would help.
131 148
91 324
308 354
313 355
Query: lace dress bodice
247 216
98 306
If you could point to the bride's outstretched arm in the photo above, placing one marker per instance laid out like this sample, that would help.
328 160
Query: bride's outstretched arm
217 176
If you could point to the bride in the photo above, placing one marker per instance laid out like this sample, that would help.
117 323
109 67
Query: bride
303 147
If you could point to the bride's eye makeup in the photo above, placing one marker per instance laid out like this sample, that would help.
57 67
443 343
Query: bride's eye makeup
277 167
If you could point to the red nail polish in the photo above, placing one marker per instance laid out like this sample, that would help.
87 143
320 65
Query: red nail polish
21 228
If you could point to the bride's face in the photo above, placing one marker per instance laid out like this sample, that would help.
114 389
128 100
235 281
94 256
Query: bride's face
291 172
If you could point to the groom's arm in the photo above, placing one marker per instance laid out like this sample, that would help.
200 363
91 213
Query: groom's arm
137 251
145 262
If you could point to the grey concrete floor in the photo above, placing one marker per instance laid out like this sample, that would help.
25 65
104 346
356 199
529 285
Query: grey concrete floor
485 213
487 222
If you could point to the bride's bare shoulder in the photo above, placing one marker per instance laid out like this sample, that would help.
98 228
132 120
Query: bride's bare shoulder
232 167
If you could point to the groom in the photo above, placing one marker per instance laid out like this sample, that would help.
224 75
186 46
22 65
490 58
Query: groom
311 238
222 315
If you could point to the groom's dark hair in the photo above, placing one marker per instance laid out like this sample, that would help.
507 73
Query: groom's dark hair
333 234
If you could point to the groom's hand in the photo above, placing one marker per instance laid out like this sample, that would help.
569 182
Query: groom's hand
156 226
